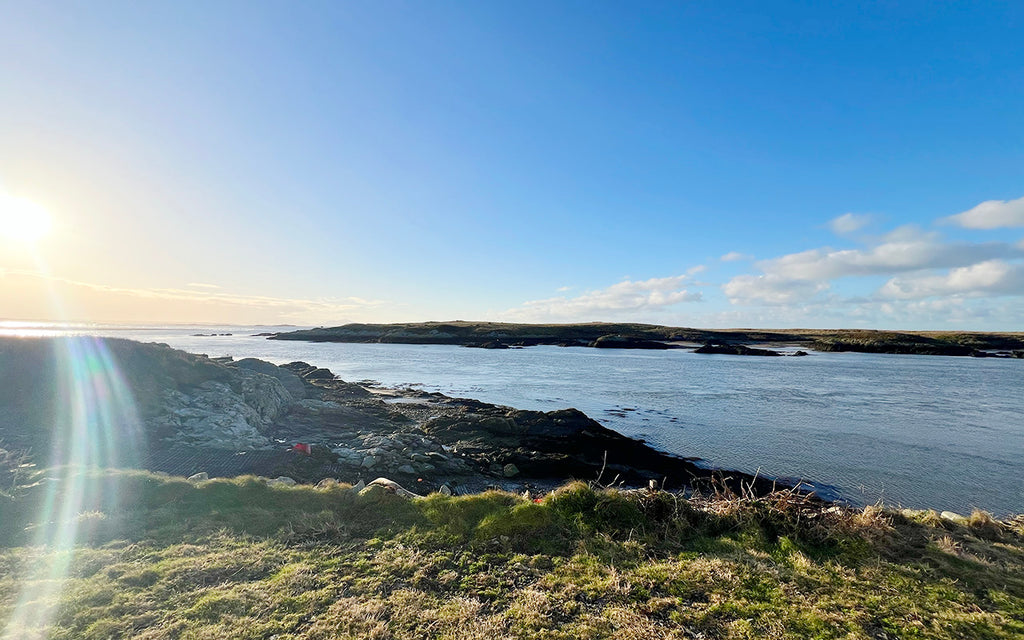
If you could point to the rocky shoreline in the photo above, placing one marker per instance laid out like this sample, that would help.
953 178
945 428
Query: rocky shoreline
222 417
495 335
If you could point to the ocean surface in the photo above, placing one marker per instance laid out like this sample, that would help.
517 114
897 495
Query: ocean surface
916 431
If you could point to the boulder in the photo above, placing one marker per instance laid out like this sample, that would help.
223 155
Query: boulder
627 342
390 486
510 470
490 344
735 350
282 481
199 477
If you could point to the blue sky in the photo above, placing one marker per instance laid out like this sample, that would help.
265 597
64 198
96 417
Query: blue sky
318 163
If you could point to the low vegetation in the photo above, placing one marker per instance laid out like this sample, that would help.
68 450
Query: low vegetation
642 335
160 557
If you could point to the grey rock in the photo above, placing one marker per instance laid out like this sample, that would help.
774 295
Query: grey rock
291 382
368 462
318 406
406 469
199 477
510 470
282 481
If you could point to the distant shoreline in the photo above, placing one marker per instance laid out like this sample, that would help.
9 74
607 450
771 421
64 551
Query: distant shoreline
493 335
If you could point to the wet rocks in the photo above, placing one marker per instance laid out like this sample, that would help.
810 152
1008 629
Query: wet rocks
735 350
490 344
627 342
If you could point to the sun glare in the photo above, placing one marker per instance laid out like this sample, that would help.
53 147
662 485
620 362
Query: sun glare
22 220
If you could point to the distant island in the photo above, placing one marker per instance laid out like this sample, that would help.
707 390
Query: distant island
498 335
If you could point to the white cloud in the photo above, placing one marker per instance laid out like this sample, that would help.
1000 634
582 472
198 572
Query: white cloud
991 214
989 277
621 299
905 249
697 269
202 285
735 256
849 223
770 289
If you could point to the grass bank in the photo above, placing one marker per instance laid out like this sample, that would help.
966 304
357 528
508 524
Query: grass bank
159 557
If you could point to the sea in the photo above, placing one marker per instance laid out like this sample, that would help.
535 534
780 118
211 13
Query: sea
923 432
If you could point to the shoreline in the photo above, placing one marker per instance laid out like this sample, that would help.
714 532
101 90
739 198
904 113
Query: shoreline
225 418
492 335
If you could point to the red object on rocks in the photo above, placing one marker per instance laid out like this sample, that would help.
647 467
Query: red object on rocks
302 448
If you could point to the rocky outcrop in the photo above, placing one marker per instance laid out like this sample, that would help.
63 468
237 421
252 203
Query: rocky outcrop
736 350
218 415
627 342
490 344
222 417
288 379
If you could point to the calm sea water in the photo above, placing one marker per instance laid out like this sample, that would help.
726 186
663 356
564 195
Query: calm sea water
918 431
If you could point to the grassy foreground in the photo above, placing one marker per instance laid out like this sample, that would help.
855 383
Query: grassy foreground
158 557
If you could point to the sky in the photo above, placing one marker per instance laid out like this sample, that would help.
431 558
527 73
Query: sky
706 164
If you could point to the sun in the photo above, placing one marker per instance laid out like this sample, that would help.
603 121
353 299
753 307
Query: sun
22 220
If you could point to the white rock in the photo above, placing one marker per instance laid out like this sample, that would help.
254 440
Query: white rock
199 477
392 486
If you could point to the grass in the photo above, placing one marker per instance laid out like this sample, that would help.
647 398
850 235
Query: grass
461 332
159 557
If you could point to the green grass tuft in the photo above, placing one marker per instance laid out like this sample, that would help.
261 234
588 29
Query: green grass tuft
160 558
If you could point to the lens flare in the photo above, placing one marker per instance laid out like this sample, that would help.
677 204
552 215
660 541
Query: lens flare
97 427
